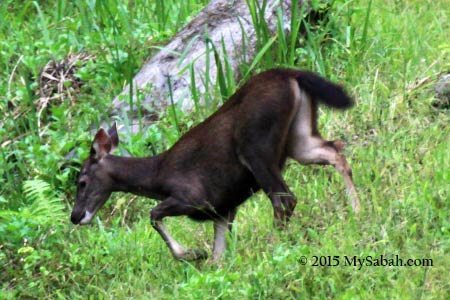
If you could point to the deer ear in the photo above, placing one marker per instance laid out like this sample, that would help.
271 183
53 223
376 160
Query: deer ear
102 144
112 132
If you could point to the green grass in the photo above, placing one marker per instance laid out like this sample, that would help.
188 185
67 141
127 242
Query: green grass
387 53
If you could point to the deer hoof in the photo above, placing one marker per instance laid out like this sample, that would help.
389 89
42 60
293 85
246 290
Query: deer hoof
192 255
288 206
283 215
281 223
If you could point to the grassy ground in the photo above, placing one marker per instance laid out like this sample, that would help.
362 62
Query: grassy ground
387 53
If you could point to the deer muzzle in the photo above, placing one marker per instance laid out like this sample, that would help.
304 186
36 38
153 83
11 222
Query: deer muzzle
81 217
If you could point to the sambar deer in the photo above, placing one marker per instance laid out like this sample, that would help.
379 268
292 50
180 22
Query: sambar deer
222 161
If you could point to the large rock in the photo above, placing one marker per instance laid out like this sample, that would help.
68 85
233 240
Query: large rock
224 22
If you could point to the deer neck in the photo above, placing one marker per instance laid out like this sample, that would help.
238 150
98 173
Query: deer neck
139 176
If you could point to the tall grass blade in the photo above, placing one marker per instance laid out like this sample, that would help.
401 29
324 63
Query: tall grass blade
172 107
259 56
366 26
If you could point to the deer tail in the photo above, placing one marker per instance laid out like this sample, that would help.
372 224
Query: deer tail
327 92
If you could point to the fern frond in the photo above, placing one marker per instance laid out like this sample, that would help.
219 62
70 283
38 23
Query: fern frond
45 206
36 189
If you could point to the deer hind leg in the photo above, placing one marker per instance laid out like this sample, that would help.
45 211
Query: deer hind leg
328 153
261 149
307 147
268 176
174 207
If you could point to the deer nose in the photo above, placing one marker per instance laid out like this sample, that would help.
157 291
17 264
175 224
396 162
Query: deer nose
76 217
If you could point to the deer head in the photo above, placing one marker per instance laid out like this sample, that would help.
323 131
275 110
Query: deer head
94 184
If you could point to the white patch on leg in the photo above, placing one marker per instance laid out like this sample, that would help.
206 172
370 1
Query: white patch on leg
220 229
177 250
301 125
301 141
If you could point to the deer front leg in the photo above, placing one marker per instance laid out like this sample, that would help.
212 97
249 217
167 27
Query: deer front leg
220 228
174 207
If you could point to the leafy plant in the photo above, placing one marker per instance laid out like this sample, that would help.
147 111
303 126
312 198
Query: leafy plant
43 211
